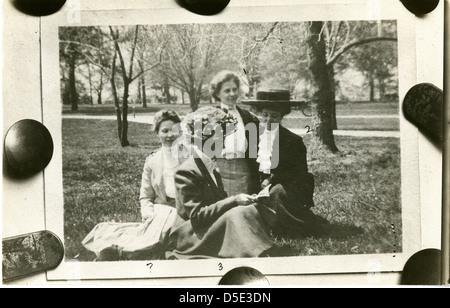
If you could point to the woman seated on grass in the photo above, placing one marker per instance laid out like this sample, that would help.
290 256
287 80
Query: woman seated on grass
283 166
209 223
146 240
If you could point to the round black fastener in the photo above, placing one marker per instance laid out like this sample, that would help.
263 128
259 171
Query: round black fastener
244 275
420 7
423 106
28 148
38 7
204 7
423 268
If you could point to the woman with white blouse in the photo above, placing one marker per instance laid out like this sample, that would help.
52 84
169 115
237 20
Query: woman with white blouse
157 184
237 164
147 239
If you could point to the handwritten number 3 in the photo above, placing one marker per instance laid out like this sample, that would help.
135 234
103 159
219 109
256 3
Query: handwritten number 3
220 266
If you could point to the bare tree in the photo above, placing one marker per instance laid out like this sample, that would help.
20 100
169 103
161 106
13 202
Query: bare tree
127 75
85 46
70 53
326 43
344 36
190 55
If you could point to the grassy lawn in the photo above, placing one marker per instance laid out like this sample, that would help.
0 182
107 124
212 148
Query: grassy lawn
357 190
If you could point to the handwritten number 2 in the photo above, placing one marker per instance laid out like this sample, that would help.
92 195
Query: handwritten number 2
308 129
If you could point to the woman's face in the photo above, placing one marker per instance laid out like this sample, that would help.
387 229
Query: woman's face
229 93
270 116
167 133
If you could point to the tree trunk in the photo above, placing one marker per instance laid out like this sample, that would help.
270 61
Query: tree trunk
167 89
139 87
193 99
144 93
333 96
99 97
100 90
124 135
116 98
371 88
381 89
65 93
322 140
72 85
91 97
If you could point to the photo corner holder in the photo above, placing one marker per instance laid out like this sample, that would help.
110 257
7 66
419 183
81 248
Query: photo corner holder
420 7
28 149
30 254
38 8
204 7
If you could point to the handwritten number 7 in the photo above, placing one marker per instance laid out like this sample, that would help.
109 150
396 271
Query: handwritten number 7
149 265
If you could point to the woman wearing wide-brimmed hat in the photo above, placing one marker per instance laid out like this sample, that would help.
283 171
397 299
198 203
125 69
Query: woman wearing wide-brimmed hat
210 223
282 159
237 163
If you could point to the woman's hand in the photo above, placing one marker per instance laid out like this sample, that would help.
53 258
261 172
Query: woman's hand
244 199
147 212
265 183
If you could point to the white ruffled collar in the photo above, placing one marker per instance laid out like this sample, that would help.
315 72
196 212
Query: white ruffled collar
265 149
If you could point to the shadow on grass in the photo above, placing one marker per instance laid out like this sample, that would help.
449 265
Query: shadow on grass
298 244
339 231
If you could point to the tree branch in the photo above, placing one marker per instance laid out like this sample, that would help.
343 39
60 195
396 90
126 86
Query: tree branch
261 40
357 43
115 37
93 62
334 44
133 50
80 44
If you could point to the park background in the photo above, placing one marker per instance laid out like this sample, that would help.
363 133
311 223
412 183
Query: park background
113 80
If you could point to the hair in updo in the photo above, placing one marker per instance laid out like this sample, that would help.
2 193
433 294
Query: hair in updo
165 115
219 79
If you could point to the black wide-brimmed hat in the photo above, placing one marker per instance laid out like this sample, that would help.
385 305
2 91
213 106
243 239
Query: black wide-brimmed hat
274 99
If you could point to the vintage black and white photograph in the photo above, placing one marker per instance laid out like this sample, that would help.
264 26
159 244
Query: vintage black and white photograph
310 179
124 87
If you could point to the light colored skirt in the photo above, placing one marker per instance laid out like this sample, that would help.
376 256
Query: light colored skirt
236 176
133 239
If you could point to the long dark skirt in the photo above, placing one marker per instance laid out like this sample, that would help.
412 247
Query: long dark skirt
241 232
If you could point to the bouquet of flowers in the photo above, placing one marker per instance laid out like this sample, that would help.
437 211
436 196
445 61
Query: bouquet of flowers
207 121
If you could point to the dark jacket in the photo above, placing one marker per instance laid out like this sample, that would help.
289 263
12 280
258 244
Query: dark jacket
210 224
200 199
292 170
292 190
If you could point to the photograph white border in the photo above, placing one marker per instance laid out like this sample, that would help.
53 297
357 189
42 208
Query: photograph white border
320 10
